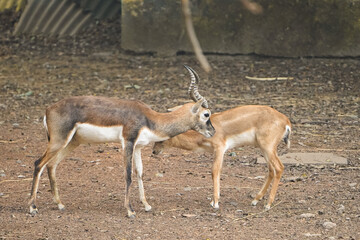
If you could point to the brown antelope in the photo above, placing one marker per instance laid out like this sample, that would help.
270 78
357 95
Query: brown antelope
89 119
259 126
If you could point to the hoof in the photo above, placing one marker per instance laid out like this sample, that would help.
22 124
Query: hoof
214 205
254 202
148 208
33 210
131 214
61 207
267 207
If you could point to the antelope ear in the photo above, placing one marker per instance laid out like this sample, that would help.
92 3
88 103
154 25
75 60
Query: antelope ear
174 108
195 108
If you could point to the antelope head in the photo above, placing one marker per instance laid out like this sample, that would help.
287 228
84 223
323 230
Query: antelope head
200 109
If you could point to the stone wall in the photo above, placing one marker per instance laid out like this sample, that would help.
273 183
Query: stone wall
288 28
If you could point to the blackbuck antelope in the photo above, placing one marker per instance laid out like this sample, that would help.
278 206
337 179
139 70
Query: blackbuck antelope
89 119
259 126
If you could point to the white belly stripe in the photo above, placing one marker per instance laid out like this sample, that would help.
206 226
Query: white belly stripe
88 133
244 138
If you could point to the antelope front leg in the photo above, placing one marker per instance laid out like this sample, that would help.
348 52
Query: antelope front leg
216 171
139 173
53 185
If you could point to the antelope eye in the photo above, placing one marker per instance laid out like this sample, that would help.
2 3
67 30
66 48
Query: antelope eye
206 115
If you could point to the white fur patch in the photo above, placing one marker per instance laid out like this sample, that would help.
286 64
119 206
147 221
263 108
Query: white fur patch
146 136
88 133
45 125
241 139
287 128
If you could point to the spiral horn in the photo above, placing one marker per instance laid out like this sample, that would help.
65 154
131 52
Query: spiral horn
193 89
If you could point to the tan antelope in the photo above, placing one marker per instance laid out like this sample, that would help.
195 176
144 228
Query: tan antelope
89 119
259 126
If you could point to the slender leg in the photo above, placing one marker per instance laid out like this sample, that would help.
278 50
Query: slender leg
216 171
39 168
276 169
51 167
279 169
129 149
139 173
265 186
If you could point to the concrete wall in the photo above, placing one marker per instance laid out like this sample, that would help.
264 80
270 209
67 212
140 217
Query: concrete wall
289 28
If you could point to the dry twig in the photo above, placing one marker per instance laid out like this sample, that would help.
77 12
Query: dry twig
256 214
3 141
269 79
15 180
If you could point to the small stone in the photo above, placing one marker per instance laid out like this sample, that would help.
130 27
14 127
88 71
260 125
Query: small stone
187 215
16 125
21 176
252 195
318 166
341 209
29 93
259 177
307 215
293 179
352 184
232 154
159 175
234 204
329 225
187 189
312 234
95 161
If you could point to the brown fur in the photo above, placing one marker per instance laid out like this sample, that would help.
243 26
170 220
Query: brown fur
268 127
63 118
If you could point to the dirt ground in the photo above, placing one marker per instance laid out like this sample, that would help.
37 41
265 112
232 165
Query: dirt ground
322 101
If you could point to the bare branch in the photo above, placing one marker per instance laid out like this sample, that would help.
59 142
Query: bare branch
192 36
